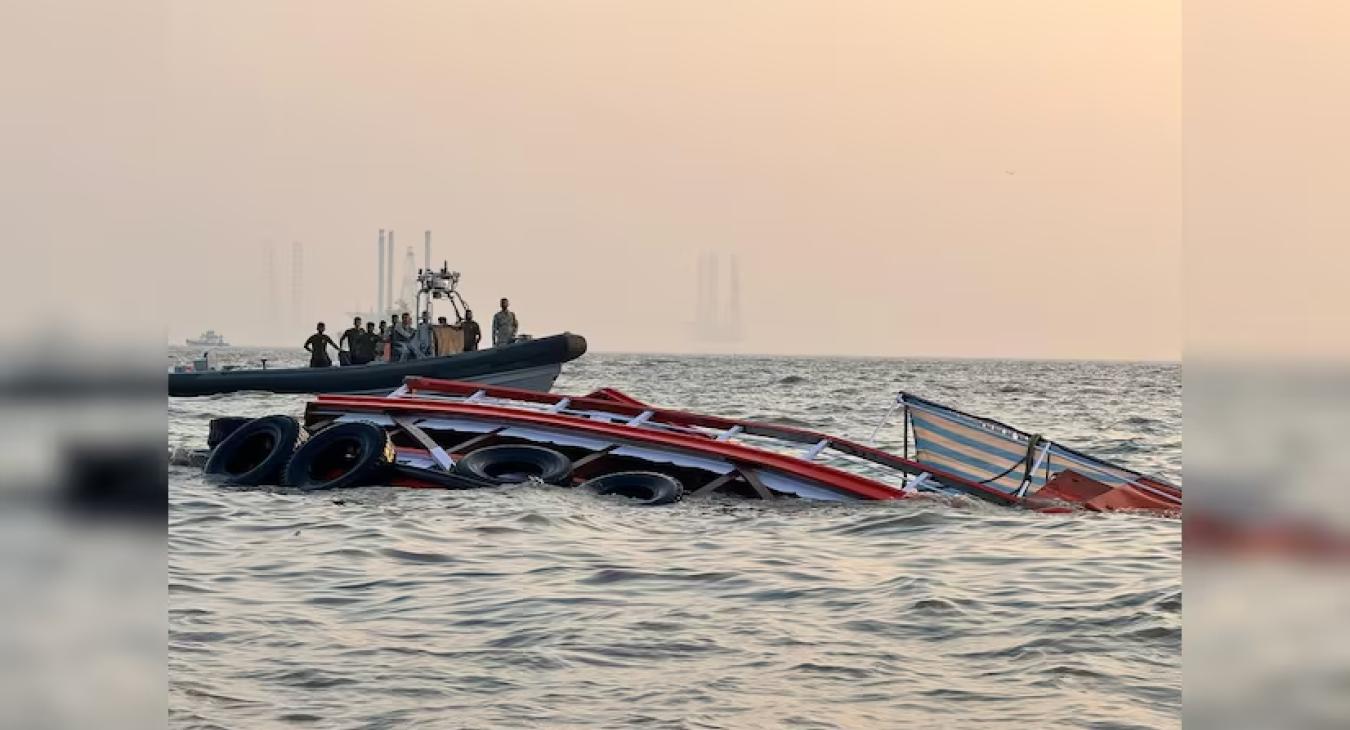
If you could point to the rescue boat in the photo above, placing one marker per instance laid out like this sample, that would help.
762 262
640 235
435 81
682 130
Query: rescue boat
529 364
433 433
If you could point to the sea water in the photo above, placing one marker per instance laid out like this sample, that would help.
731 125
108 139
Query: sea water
533 606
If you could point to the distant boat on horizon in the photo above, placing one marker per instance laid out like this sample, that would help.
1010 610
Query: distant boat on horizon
209 338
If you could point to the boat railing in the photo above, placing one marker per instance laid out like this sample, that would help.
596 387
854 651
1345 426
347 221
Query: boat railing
560 407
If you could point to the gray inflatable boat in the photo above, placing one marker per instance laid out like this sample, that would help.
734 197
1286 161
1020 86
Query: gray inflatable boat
530 365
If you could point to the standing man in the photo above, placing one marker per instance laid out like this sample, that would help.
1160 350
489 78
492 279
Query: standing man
317 345
399 335
351 338
381 347
471 332
395 340
368 341
504 325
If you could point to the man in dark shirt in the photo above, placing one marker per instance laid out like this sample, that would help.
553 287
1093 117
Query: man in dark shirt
317 345
351 338
362 351
368 341
471 332
380 349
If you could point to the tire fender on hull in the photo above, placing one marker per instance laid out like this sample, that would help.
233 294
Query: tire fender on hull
516 463
342 455
649 488
254 453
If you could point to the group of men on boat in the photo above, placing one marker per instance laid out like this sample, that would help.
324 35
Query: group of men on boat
402 340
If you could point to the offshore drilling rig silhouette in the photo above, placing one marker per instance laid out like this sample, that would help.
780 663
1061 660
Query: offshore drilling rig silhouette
714 319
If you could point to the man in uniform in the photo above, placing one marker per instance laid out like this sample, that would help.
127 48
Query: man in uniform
504 325
317 345
351 338
381 346
403 336
472 334
368 341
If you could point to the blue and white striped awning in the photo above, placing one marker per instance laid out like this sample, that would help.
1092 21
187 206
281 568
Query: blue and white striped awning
980 449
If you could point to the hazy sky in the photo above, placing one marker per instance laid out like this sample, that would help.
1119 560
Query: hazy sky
1266 160
897 178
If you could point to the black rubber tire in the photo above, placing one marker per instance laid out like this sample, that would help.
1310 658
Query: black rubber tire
255 453
516 463
342 455
222 427
649 488
449 480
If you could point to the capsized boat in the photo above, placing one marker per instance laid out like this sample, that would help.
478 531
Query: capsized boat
527 365
448 433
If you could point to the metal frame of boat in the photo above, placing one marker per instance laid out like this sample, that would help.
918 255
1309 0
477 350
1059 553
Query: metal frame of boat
435 422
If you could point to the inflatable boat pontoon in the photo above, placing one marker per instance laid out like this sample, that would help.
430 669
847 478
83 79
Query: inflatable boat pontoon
529 365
